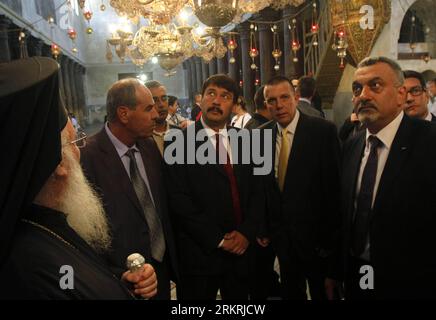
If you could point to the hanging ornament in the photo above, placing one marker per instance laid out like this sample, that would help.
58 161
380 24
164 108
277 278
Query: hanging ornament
412 42
55 50
295 45
82 4
72 34
88 16
241 83
102 6
50 21
340 45
314 27
253 47
22 43
232 45
276 53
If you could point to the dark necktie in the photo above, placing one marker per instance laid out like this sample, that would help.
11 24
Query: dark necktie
364 199
157 239
224 160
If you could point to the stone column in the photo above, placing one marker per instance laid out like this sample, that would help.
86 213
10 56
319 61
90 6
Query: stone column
212 67
34 46
80 91
204 69
193 76
265 56
70 67
222 65
66 81
5 55
247 72
46 51
199 73
287 39
188 82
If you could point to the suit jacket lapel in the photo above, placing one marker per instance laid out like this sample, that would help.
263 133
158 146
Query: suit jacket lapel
399 151
352 172
297 156
113 164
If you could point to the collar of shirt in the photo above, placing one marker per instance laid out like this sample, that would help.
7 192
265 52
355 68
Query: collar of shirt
387 134
119 146
163 133
428 117
292 126
212 137
305 100
211 133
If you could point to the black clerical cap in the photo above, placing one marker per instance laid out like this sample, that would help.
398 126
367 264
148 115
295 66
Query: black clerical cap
31 119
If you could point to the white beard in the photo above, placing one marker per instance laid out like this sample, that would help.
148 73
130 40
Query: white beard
83 207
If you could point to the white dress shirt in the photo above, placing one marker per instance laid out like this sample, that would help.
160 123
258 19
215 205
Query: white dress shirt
121 150
240 121
292 126
212 137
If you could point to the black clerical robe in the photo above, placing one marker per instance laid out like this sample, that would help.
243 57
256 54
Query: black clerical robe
43 243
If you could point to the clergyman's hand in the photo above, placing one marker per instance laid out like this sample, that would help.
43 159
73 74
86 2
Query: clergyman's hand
144 281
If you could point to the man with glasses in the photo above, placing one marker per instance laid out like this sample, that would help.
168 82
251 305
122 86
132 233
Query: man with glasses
388 190
122 161
160 98
52 222
417 96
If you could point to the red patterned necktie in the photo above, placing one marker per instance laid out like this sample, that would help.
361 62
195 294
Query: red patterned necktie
220 149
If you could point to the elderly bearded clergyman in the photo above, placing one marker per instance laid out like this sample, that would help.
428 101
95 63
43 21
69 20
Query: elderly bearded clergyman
51 219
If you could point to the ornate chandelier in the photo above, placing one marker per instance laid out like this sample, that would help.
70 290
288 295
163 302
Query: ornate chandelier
157 11
172 44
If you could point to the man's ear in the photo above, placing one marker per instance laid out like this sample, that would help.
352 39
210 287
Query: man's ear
123 114
402 95
61 171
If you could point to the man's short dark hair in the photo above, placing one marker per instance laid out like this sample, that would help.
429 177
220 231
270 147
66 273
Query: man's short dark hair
433 80
172 100
306 87
414 74
153 84
121 93
370 61
259 99
277 80
222 81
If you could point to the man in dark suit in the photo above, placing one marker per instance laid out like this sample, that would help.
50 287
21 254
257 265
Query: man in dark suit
417 96
123 162
262 114
306 91
215 206
303 195
389 191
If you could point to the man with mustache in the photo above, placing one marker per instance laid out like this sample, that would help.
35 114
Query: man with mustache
216 206
417 96
62 222
388 191
124 164
303 195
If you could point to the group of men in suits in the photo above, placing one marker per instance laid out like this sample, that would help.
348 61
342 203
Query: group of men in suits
326 217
